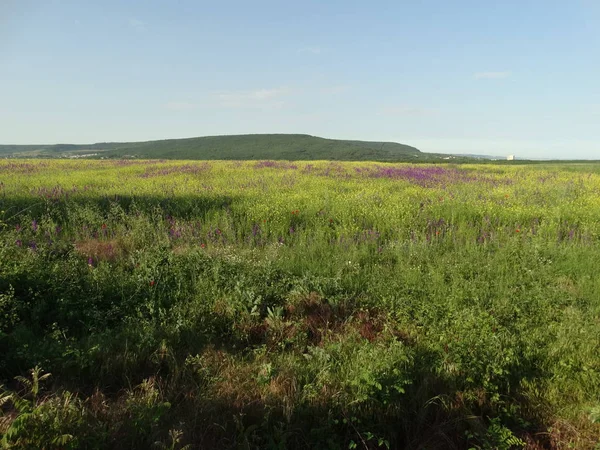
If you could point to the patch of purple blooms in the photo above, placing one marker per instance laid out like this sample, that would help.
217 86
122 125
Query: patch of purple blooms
161 171
429 176
275 165
25 168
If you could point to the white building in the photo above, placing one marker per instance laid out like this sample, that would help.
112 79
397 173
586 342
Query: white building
510 157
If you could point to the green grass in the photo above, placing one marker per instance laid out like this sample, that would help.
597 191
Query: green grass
265 304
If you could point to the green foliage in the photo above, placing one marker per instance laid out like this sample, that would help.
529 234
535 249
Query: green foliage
63 421
305 305
495 437
8 310
362 372
41 423
297 147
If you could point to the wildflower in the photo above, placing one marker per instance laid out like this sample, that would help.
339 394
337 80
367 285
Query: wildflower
203 245
18 242
151 283
330 220
104 226
34 225
517 230
90 262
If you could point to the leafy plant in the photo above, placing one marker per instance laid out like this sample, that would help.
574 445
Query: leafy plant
41 423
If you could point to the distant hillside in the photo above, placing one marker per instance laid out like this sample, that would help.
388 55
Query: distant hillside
242 147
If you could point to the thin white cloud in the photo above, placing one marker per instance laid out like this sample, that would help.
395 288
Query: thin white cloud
258 98
334 90
491 75
180 106
316 50
404 110
137 24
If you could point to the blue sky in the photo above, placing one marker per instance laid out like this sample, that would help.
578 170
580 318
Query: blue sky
474 76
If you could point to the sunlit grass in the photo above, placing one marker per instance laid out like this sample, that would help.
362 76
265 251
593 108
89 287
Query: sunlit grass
304 304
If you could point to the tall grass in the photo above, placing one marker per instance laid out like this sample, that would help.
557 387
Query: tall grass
299 305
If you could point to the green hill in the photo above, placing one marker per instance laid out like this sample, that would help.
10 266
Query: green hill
242 147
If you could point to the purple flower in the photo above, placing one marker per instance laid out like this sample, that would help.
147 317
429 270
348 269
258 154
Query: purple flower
19 243
34 225
275 164
91 261
33 245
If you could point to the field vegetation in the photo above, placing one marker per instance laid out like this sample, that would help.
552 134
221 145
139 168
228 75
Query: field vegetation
277 304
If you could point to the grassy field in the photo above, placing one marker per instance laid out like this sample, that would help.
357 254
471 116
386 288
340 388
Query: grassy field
266 304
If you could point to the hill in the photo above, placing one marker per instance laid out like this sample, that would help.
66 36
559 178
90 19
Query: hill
242 147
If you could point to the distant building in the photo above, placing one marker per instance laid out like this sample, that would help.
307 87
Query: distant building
510 157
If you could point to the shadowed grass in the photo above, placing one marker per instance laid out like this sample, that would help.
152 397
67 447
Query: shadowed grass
310 305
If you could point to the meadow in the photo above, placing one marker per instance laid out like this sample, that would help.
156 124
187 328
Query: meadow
277 304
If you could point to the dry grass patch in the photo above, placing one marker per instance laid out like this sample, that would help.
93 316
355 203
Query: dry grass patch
108 250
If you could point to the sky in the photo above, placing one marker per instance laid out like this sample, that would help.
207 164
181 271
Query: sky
489 77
